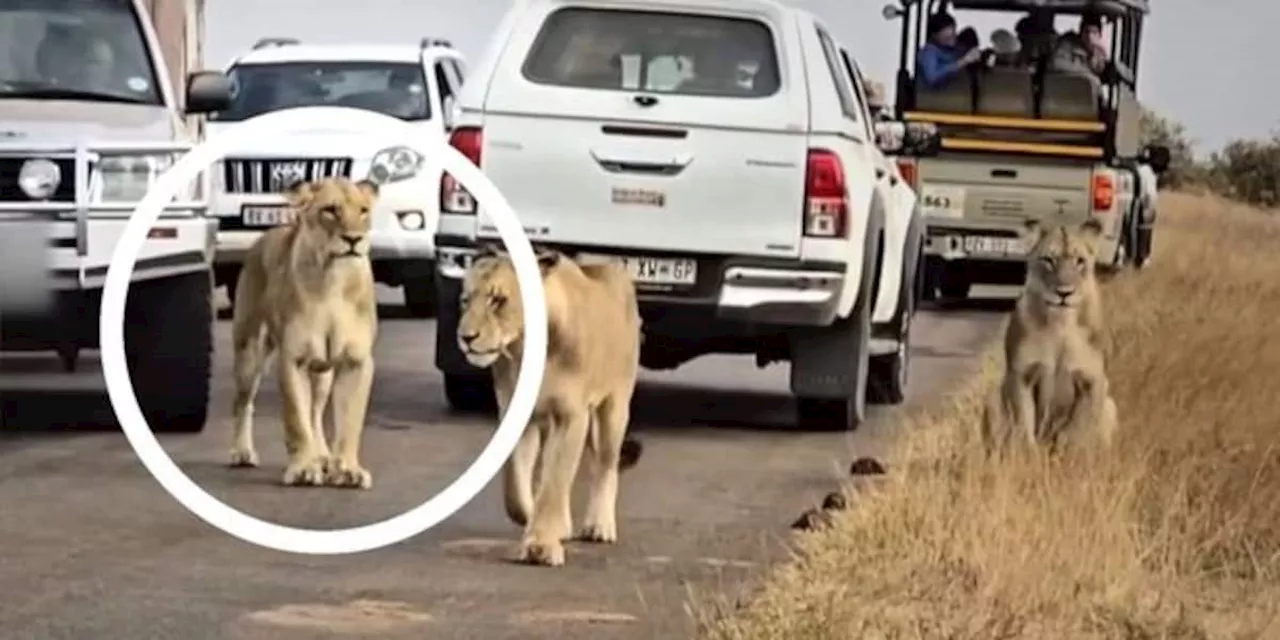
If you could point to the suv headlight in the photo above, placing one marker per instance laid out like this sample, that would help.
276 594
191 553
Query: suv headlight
128 178
394 164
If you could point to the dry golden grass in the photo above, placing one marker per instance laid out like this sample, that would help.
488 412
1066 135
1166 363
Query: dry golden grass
1176 534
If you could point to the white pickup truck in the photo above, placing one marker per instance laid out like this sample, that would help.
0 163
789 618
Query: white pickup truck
89 118
725 151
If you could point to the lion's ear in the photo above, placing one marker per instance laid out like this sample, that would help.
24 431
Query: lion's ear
490 250
548 259
298 194
368 187
1034 229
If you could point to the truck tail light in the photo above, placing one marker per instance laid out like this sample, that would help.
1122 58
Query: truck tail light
453 198
826 205
1104 192
908 170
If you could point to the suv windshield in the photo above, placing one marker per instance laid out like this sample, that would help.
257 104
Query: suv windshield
394 89
655 52
74 49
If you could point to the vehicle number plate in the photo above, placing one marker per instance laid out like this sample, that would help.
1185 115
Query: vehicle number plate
993 245
265 216
643 197
942 201
656 271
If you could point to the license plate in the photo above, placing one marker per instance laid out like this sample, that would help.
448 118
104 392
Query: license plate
942 201
656 271
265 216
993 245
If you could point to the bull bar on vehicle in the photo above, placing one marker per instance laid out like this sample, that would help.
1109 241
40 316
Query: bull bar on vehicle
81 209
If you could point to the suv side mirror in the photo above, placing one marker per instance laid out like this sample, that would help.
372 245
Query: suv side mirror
894 137
207 92
1158 157
891 12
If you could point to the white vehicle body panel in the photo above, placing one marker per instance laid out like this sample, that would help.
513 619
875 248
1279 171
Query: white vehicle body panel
337 152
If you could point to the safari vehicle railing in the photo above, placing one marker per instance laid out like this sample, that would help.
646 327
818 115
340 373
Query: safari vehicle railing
1036 111
85 201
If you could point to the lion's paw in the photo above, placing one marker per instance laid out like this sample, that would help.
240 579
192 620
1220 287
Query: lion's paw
601 533
243 458
304 473
347 475
547 553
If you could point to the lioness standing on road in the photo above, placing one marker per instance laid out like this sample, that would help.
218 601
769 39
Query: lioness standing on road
1055 388
593 358
306 289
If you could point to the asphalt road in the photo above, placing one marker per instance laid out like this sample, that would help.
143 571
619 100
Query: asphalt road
94 547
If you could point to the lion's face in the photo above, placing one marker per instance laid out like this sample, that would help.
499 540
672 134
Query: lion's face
492 318
1062 258
337 210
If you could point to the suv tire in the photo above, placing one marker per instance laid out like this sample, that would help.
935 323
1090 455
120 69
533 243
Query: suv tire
848 413
469 393
420 297
168 343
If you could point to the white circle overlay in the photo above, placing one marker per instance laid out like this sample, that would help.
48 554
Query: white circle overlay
280 128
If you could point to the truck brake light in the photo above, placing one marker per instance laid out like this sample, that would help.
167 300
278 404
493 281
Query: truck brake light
453 198
826 205
1104 192
908 170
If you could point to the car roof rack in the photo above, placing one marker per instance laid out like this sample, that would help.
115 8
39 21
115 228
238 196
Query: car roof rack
435 42
275 42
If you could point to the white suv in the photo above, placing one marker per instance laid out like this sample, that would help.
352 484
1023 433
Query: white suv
416 84
725 151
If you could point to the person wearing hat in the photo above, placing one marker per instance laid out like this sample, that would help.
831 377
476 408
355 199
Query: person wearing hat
1082 49
940 59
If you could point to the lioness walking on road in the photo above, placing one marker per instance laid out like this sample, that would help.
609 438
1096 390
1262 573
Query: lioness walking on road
306 290
1055 388
593 358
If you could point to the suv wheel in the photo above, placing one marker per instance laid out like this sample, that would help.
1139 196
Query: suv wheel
168 343
840 414
888 374
469 393
420 297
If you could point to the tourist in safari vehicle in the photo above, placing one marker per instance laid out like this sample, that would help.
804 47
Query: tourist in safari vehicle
1033 126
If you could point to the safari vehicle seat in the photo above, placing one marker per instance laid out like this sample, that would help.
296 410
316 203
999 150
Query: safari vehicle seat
954 96
1006 92
1070 96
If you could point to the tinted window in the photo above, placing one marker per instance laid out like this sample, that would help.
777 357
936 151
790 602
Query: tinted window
395 89
655 52
78 49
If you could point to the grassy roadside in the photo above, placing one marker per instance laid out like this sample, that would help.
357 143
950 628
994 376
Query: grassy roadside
1175 535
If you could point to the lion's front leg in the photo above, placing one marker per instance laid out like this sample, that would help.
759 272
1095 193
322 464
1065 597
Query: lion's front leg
1019 399
561 454
306 465
1093 413
321 389
352 387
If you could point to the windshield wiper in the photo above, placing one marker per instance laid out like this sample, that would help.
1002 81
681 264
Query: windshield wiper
58 93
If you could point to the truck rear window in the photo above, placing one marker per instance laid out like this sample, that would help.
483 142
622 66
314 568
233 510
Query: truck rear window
658 52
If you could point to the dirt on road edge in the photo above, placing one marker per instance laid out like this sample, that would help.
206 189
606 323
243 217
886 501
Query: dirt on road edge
1175 535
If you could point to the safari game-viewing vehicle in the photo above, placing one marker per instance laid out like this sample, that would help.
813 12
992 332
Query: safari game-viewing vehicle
92 113
1027 141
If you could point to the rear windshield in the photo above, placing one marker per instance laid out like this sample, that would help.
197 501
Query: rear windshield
655 52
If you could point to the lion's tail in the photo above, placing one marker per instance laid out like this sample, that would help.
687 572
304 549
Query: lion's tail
631 452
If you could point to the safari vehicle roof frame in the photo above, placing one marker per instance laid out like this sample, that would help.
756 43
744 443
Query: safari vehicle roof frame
1126 16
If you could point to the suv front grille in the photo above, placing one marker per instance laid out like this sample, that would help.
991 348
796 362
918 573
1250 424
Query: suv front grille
273 175
11 166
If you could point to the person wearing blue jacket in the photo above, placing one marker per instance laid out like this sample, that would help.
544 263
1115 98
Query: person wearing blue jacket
940 59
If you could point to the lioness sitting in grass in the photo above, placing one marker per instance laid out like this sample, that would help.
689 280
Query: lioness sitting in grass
1055 388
